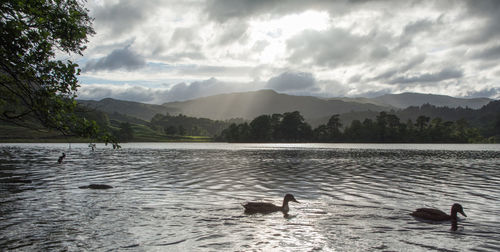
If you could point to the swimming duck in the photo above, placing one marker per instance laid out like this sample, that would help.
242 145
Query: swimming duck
60 160
261 207
96 186
438 215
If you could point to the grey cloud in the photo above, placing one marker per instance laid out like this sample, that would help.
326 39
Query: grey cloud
94 92
123 16
379 52
212 86
444 74
338 47
490 53
224 10
106 47
119 58
290 81
419 59
233 31
402 68
193 55
183 91
355 78
412 29
183 35
332 48
185 43
417 26
489 10
487 92
215 70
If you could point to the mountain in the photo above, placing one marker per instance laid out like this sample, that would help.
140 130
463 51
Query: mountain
134 109
249 105
405 100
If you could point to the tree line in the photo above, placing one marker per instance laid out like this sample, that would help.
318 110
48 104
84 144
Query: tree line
386 128
185 125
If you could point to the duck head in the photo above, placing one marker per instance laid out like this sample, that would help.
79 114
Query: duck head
290 197
457 208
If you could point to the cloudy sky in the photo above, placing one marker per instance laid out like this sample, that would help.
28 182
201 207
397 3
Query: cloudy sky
157 51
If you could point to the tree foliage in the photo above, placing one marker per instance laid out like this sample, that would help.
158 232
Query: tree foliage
37 85
185 125
387 128
126 132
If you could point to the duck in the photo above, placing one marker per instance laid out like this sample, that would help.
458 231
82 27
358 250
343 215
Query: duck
438 215
60 160
96 186
263 207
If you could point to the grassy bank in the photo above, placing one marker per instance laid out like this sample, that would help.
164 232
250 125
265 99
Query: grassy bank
15 134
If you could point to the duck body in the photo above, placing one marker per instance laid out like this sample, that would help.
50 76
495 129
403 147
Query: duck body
96 186
431 214
438 215
263 207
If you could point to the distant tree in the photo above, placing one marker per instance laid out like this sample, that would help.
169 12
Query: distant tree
36 87
322 134
182 130
333 127
369 130
171 130
244 133
422 122
382 126
394 128
126 133
354 132
294 128
275 125
230 134
261 128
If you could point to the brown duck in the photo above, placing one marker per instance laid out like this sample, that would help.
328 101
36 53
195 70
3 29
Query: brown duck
262 207
438 215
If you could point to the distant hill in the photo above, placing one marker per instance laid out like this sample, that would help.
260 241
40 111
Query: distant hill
249 105
134 109
405 100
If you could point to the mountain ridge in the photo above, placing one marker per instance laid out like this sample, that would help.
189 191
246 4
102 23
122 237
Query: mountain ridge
248 105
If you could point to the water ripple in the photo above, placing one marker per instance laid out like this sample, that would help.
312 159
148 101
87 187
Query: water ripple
188 197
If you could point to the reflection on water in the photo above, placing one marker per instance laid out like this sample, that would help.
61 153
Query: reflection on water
188 197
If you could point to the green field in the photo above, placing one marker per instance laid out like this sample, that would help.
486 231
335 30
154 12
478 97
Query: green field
16 134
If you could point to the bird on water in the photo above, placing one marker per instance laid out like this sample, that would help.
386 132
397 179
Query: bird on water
60 159
96 186
263 207
438 215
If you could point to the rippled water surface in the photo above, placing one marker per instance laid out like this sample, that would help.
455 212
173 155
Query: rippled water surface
187 197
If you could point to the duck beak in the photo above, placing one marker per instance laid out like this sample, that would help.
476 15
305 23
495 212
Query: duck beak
294 200
462 213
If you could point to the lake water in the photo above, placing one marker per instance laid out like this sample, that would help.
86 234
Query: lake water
187 197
